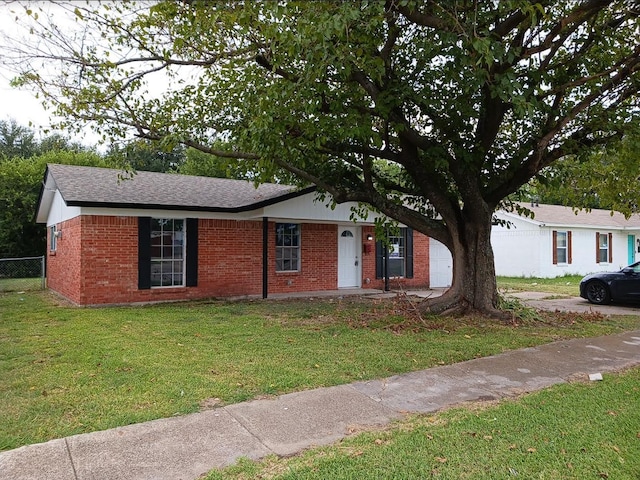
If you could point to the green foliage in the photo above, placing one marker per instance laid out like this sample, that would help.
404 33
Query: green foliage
147 156
20 183
607 179
343 79
16 140
23 159
206 165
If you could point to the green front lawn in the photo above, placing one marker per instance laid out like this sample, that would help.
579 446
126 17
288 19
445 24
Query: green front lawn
67 370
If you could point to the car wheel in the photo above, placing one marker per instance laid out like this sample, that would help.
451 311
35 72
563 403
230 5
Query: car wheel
598 293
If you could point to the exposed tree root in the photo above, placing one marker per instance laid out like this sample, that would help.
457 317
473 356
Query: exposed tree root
453 304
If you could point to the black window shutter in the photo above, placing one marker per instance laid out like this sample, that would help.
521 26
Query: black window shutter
192 252
408 249
379 259
144 253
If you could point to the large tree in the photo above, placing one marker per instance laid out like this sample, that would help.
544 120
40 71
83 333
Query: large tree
431 112
16 140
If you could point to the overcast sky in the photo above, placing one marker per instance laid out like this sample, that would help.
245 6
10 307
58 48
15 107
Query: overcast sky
22 105
19 105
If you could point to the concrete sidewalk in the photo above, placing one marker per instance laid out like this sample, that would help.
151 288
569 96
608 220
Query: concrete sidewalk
189 446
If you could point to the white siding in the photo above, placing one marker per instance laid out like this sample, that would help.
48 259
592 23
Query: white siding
526 250
519 250
309 208
59 211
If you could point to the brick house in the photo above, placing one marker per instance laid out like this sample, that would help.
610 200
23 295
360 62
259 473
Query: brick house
165 237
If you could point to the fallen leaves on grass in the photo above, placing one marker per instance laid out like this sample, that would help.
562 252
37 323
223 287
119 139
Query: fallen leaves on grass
402 314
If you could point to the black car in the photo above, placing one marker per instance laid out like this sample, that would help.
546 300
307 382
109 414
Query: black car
606 287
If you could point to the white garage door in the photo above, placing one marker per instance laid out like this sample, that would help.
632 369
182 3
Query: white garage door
440 265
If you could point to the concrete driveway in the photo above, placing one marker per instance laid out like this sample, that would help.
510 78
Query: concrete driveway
549 301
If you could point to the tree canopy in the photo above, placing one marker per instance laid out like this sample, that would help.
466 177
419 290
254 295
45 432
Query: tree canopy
433 113
607 178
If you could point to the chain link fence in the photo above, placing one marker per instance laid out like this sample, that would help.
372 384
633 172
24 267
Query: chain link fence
22 274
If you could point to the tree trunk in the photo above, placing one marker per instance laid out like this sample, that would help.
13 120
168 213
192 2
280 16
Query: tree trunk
474 287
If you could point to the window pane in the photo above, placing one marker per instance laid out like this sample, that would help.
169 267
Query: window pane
604 240
603 253
562 255
167 252
561 247
53 245
603 256
396 247
156 224
396 255
287 247
562 239
396 267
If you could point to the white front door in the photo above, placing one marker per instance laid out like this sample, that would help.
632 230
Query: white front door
348 259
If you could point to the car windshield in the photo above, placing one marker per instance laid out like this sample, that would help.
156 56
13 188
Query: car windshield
635 267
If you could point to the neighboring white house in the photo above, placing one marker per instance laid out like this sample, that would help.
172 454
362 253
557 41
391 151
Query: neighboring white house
559 241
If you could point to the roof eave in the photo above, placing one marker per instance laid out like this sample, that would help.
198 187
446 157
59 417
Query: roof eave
514 216
45 198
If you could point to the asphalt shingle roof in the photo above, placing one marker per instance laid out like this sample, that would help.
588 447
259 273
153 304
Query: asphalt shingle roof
561 215
92 186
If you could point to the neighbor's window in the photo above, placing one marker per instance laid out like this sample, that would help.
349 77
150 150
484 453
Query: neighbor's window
287 247
603 248
562 247
397 256
167 252
53 241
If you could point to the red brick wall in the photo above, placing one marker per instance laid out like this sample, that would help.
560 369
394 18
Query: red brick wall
318 261
97 261
63 265
109 259
420 264
229 257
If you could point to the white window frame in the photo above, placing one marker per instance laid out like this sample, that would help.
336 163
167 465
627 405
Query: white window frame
288 254
559 248
172 254
603 247
53 241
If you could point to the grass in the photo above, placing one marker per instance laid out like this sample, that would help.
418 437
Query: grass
565 285
20 284
572 431
68 370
